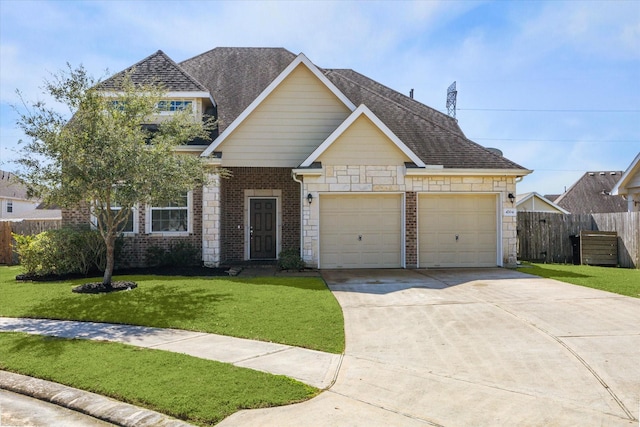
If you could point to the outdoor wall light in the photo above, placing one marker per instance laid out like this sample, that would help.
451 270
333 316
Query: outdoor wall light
309 198
511 197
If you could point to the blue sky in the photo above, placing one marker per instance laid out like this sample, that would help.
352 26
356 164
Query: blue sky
555 85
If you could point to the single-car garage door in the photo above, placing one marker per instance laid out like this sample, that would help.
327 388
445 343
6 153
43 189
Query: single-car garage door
457 230
361 231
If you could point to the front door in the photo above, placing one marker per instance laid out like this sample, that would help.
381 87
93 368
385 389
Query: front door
262 228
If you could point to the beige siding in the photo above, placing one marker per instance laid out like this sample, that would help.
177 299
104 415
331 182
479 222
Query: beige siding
287 126
535 204
634 182
363 144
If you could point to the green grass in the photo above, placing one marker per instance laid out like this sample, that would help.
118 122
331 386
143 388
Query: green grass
199 391
298 311
621 281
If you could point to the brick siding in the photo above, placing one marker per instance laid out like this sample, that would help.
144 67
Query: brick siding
232 195
135 247
411 239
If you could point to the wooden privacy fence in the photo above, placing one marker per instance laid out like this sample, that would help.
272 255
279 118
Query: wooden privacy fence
546 237
25 227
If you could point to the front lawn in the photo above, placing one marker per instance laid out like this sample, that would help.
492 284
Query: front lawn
621 281
298 311
199 391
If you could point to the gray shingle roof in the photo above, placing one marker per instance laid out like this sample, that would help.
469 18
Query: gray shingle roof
591 194
10 187
435 137
237 76
157 68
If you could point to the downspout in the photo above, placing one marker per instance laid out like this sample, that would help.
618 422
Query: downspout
295 178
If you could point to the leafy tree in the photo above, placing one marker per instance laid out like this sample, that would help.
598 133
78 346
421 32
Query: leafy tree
101 153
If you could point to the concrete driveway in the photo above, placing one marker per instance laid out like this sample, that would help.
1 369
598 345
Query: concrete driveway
485 347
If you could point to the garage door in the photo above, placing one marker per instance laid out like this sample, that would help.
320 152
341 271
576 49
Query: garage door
457 231
361 231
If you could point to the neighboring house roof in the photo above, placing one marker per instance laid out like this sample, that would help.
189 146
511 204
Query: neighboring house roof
551 197
629 179
592 194
236 77
157 68
11 188
534 202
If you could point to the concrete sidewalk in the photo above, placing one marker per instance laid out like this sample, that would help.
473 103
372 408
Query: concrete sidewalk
311 367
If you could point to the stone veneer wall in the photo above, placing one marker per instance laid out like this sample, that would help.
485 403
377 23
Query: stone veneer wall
259 182
211 216
134 250
366 179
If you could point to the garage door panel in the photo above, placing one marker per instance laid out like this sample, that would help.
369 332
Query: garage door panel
360 231
472 218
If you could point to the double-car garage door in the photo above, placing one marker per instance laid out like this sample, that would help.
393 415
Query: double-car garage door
366 231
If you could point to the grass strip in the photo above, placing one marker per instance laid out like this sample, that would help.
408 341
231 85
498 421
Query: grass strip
198 391
623 281
298 311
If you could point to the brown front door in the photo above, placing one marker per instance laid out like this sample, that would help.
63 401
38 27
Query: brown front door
262 228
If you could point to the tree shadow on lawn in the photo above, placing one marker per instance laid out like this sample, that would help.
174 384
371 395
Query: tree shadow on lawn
46 346
163 306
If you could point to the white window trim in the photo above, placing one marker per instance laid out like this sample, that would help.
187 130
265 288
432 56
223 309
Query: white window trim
148 223
194 106
134 214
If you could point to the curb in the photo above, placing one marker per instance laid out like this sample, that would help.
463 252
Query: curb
95 405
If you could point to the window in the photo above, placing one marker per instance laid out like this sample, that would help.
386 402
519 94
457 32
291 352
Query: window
131 226
174 105
118 105
9 207
172 217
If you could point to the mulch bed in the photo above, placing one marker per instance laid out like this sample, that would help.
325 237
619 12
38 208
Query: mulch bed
122 285
159 271
100 288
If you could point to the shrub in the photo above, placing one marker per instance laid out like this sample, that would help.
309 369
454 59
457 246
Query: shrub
290 259
179 254
61 251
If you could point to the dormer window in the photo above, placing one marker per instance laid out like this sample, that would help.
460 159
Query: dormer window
174 105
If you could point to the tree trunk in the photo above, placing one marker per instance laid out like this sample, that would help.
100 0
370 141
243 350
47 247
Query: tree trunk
108 271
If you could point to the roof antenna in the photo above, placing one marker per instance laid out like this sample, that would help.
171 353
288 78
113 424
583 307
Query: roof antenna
452 94
411 94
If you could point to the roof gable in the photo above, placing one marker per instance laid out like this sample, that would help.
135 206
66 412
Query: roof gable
286 126
362 110
235 76
154 69
533 199
630 178
301 59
